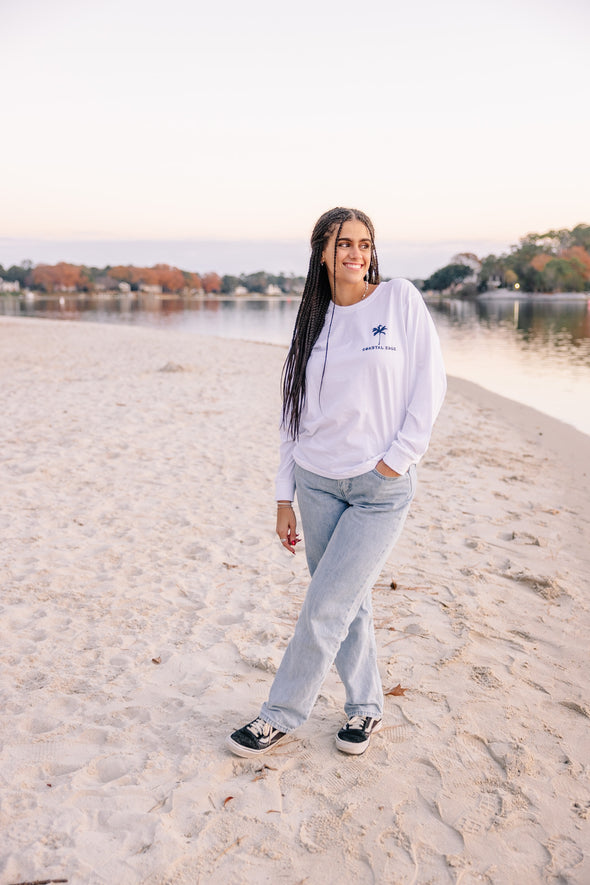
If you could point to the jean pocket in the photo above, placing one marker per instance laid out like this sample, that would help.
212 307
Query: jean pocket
388 478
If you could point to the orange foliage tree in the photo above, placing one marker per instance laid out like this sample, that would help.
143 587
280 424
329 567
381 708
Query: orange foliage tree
171 279
211 283
193 280
540 261
578 253
59 277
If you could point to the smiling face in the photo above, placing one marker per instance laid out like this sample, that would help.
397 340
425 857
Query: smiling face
353 253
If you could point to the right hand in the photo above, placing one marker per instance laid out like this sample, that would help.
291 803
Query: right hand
287 528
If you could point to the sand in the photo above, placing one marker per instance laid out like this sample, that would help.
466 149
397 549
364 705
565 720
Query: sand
146 602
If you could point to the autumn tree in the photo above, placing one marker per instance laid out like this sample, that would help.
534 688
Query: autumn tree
211 283
169 278
555 261
192 280
580 255
59 277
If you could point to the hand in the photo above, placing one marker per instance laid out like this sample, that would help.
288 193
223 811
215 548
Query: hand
287 528
384 470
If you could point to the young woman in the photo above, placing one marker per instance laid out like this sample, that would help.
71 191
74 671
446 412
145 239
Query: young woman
362 386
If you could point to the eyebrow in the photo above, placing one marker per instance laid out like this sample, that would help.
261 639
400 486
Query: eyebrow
348 239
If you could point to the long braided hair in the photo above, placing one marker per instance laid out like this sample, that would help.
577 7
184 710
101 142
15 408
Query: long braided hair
317 295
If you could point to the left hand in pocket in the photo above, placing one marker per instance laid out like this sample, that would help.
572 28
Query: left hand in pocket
384 470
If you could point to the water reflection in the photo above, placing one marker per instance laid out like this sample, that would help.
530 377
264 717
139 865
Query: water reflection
536 353
562 327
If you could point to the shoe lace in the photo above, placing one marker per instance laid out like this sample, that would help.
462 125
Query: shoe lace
259 727
357 722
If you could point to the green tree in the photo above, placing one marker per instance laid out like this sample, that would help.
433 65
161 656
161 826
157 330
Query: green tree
519 262
256 282
229 284
18 273
447 276
581 236
564 275
492 268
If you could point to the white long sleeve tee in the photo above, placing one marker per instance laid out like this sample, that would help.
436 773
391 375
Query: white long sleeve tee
383 386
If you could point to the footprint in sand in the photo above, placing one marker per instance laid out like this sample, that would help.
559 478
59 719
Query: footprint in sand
320 832
56 756
112 768
480 819
565 856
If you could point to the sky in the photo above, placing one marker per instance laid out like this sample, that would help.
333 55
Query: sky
212 135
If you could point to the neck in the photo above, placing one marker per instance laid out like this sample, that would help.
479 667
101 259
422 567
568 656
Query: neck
352 294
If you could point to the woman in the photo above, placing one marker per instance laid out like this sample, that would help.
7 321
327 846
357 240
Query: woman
362 386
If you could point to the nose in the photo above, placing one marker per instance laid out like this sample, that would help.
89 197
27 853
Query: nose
355 251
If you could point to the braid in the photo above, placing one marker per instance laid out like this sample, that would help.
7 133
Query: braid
317 295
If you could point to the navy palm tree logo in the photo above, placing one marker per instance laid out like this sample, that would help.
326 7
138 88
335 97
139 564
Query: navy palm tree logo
379 330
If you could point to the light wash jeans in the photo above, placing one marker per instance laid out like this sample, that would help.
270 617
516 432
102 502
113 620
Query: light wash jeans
350 526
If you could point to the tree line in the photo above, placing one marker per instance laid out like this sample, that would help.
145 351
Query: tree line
65 277
556 261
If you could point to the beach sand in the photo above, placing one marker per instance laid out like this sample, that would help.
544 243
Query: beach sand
146 603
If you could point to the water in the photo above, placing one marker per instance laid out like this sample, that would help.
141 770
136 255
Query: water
534 351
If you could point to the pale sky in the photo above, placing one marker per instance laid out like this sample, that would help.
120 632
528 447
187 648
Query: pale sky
458 124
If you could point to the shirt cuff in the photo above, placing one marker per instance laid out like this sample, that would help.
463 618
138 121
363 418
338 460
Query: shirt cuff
397 460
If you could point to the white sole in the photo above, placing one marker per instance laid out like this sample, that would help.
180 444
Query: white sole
248 752
357 749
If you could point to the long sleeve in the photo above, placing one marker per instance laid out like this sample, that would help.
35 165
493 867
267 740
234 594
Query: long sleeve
285 478
426 388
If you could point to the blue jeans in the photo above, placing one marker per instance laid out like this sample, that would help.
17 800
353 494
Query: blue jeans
350 526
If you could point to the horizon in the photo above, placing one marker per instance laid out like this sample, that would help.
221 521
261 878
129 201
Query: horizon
232 257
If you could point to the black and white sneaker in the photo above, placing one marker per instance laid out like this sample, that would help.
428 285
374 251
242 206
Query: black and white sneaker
254 739
355 737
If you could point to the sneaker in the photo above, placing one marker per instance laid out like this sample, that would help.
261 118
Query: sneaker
355 737
254 739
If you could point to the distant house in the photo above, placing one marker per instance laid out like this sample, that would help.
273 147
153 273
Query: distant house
150 289
105 283
9 286
271 289
240 290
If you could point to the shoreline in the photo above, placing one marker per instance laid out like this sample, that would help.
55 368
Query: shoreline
429 296
563 425
544 432
146 605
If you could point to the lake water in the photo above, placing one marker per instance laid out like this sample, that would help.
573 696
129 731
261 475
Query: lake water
534 351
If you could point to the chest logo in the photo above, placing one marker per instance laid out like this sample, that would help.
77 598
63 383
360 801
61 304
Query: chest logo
378 333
